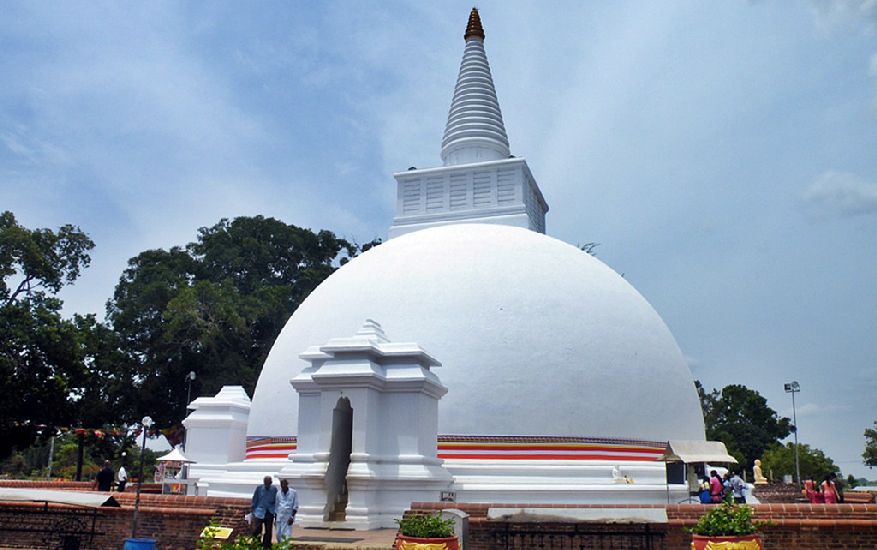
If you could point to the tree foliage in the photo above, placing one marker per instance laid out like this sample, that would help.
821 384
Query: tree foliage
779 460
741 419
44 357
215 306
870 454
42 260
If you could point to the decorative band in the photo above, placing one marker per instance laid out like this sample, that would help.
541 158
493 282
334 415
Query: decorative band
469 447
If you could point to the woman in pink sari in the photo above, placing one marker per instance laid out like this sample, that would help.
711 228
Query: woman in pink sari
829 491
810 490
716 487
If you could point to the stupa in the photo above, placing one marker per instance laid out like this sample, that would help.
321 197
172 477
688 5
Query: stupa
562 383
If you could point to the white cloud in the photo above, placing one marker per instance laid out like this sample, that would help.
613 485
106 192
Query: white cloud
841 194
837 12
814 409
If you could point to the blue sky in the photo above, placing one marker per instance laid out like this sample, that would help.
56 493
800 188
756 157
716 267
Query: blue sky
721 153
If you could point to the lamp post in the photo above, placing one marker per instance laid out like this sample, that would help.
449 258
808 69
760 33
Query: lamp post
793 388
189 379
51 454
145 423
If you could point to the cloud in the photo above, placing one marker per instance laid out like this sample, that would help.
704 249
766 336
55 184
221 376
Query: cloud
837 12
814 409
841 194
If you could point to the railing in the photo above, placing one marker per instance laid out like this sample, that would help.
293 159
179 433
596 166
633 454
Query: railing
48 528
578 536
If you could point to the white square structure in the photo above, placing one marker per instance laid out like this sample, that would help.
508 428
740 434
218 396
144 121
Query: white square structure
368 422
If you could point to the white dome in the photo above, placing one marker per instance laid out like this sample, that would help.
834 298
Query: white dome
535 337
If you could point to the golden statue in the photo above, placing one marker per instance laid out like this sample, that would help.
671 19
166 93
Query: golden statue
756 473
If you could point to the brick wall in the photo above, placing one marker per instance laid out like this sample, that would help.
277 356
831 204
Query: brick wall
778 492
66 485
174 521
802 526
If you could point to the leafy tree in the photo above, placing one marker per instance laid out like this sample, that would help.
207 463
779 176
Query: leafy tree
41 353
215 306
44 260
779 460
870 454
741 419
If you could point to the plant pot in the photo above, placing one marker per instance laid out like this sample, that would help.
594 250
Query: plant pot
415 543
715 542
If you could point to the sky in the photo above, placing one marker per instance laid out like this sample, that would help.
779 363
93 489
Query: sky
722 154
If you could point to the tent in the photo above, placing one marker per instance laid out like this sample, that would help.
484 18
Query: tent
697 451
175 456
693 451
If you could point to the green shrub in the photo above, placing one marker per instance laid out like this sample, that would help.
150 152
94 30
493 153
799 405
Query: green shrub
726 519
426 526
242 542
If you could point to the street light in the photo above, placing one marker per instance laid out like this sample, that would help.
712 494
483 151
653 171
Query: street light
52 434
189 379
793 388
145 423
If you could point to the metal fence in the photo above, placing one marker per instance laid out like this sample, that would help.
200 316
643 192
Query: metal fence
577 536
48 528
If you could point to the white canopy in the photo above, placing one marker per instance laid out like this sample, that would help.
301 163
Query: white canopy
697 451
88 500
174 456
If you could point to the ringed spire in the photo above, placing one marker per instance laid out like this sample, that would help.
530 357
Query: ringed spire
475 131
474 28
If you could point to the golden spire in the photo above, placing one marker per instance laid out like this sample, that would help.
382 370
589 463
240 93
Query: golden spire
474 28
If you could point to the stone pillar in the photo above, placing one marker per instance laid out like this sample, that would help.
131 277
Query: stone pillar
394 395
216 430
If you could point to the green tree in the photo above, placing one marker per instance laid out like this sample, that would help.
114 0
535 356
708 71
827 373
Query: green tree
870 454
43 260
41 353
215 306
779 460
741 419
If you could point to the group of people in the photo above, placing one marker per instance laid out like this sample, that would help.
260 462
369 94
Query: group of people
104 479
830 491
717 488
273 508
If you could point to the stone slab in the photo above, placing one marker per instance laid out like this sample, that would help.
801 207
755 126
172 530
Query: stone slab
579 515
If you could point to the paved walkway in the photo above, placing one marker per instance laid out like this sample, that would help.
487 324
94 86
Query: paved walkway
338 539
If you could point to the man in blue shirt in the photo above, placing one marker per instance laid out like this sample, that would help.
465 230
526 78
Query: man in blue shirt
263 511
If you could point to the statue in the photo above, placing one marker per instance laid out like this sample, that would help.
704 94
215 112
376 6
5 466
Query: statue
756 473
616 475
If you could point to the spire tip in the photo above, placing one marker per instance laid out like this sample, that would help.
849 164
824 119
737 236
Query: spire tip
474 28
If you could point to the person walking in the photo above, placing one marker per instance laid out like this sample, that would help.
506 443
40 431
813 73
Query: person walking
104 479
737 488
716 487
838 486
287 507
123 478
811 491
829 490
264 510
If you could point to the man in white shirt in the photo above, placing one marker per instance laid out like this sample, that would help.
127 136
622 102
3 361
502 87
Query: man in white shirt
123 478
738 487
286 506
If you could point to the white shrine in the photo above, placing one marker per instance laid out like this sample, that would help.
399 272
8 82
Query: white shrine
558 382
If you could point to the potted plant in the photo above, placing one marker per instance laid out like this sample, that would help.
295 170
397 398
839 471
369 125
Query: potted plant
727 525
426 532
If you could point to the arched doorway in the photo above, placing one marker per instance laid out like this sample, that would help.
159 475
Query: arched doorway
339 459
